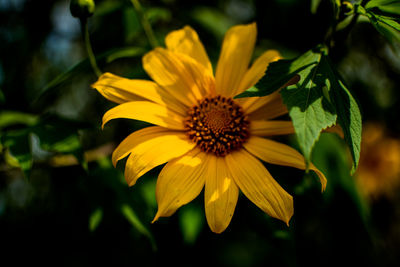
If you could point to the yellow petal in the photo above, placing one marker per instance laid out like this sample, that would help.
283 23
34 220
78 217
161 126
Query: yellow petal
221 194
150 148
257 70
266 107
234 59
148 112
280 154
268 128
186 41
121 90
181 76
180 181
135 138
258 186
250 104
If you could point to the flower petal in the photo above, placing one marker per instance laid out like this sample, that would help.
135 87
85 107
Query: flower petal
280 154
234 59
135 138
267 107
264 108
148 112
258 186
268 128
184 78
121 90
186 41
149 148
180 181
221 194
258 68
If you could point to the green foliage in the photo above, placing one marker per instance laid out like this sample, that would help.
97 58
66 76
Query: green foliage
55 135
384 15
330 155
19 152
384 6
316 102
95 219
192 221
82 8
134 220
54 88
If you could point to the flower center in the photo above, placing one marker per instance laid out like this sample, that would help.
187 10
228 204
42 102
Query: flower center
217 125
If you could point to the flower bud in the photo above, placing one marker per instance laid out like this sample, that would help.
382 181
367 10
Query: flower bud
82 8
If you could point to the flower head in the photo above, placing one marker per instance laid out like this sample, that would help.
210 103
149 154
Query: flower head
207 139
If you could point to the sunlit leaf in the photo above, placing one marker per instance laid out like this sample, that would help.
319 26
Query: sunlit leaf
316 102
385 6
281 72
8 118
309 110
384 15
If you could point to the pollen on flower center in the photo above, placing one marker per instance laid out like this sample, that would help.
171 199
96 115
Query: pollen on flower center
217 125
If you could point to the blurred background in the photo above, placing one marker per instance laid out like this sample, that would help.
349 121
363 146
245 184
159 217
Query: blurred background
63 203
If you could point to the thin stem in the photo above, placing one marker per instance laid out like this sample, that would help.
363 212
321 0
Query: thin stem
92 58
145 23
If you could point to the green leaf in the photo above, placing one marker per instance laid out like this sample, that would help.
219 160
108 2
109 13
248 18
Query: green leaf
319 100
18 144
331 158
52 89
134 220
55 134
314 6
349 115
281 72
60 135
310 111
384 15
386 26
9 117
95 219
125 52
384 6
191 221
158 14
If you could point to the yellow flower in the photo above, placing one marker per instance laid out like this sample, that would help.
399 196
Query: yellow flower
207 139
378 172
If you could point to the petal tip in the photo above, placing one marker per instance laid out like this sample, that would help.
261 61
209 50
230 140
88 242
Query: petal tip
156 217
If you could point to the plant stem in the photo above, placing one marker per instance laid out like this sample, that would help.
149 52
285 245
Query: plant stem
92 58
145 23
